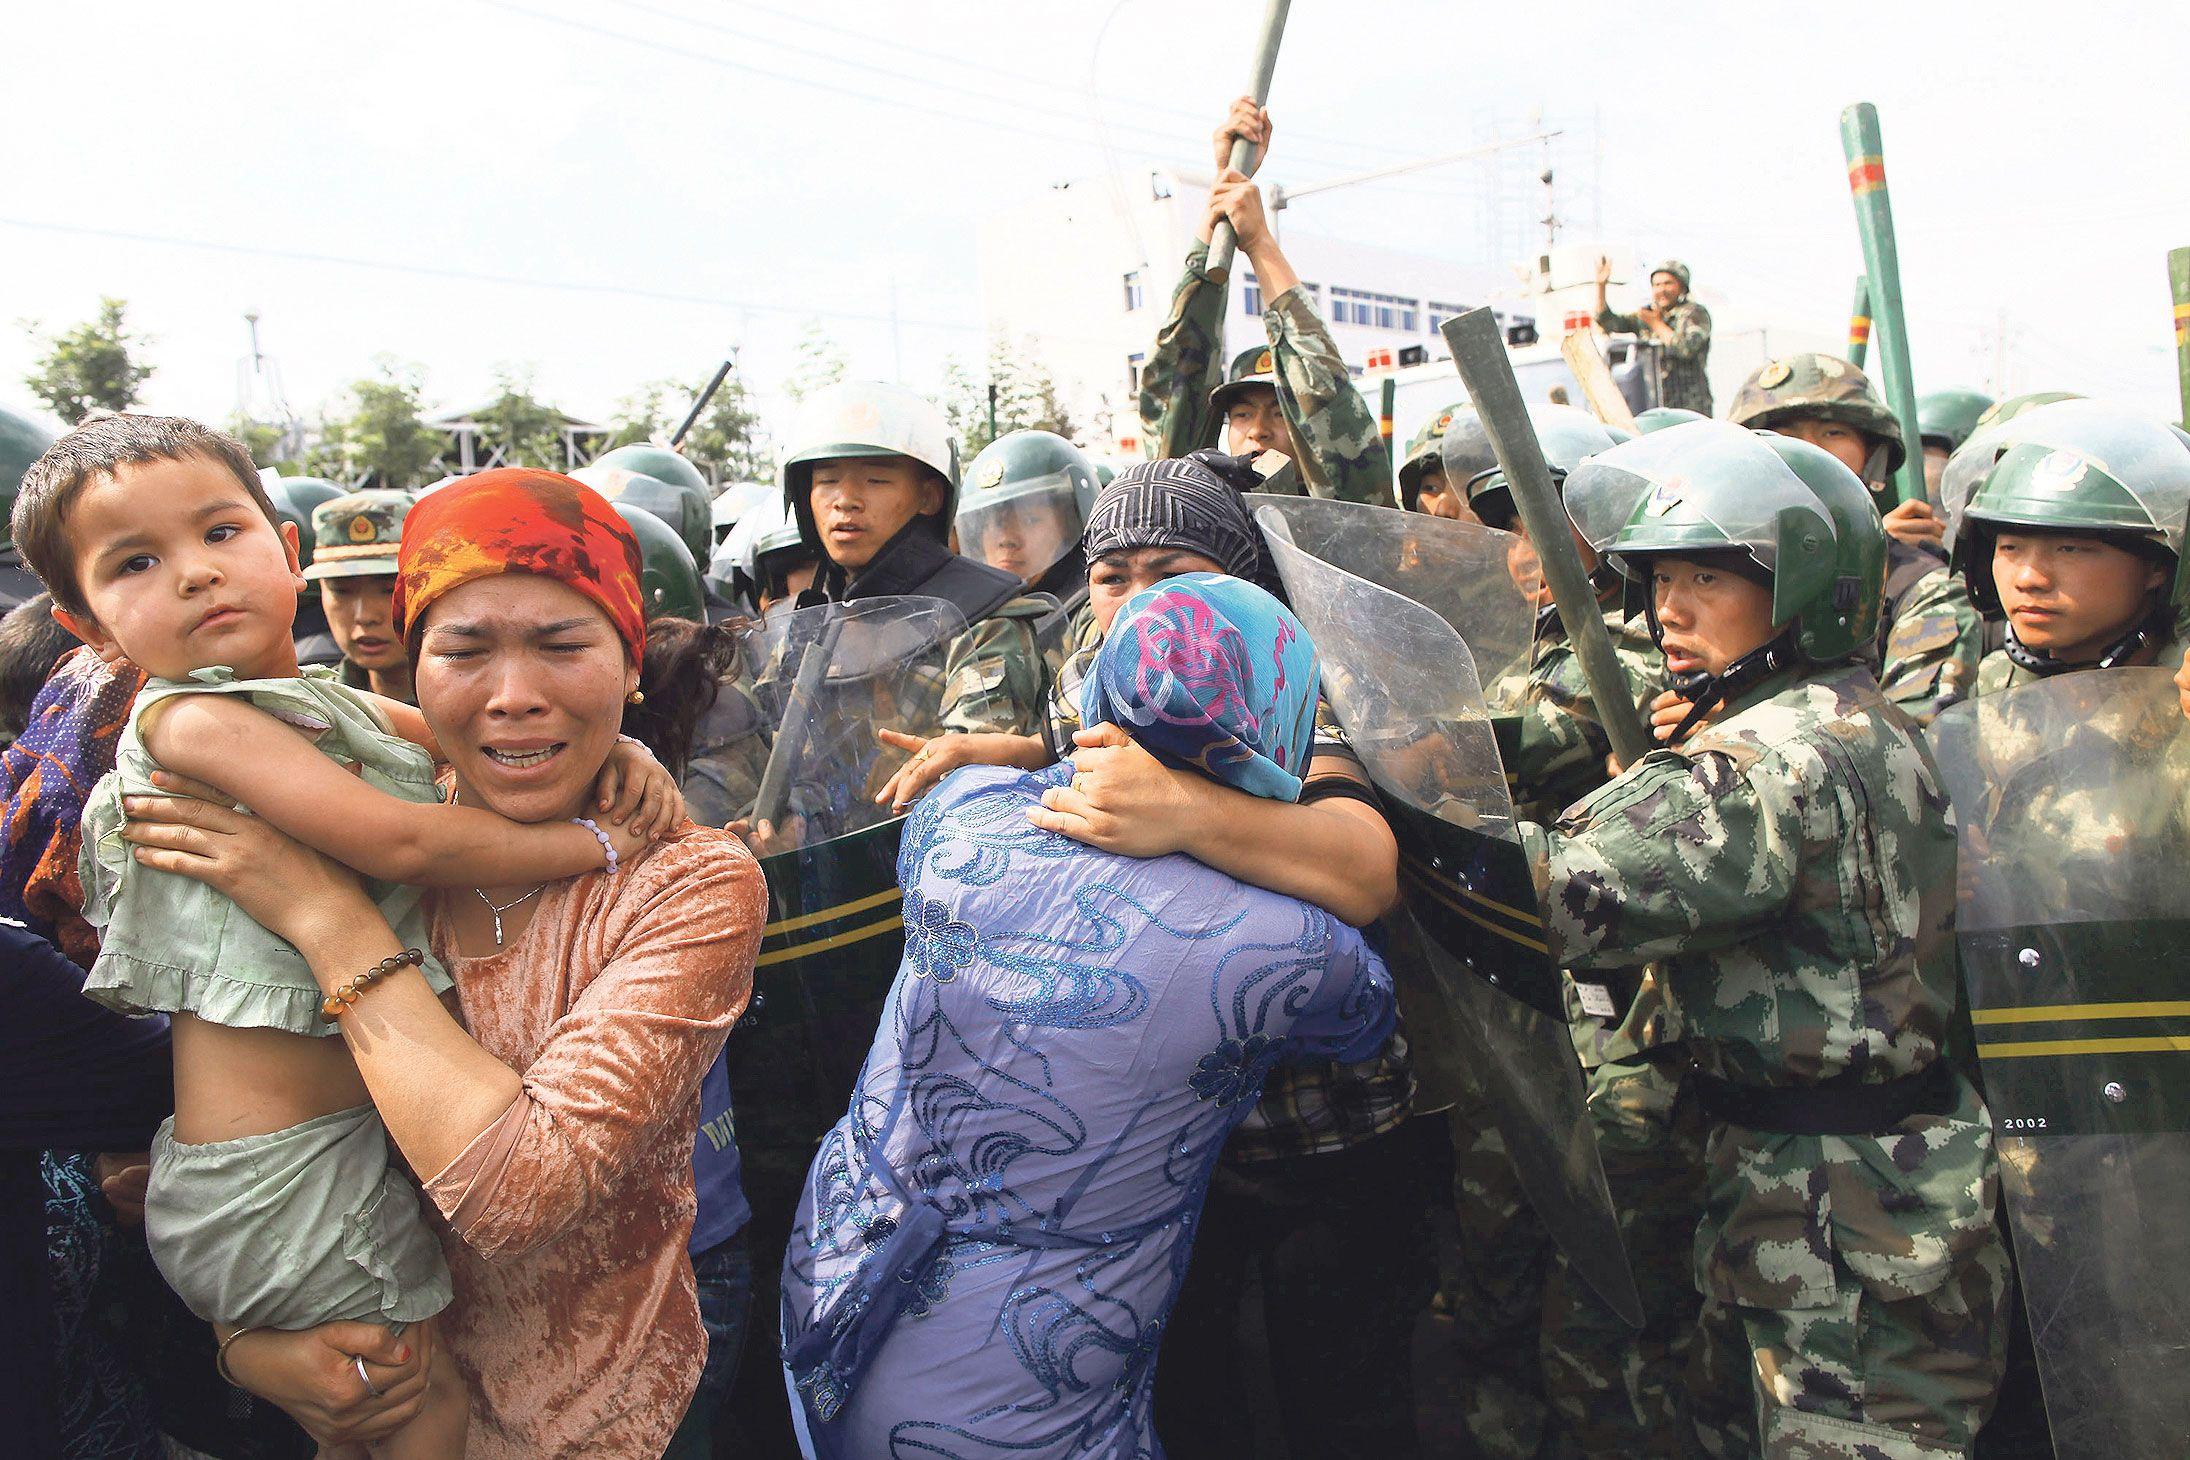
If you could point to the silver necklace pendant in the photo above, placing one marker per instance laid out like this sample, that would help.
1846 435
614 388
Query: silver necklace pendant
503 908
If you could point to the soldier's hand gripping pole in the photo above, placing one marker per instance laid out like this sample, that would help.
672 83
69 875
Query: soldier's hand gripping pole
1479 353
1859 323
722 372
791 734
1859 139
1221 240
2178 275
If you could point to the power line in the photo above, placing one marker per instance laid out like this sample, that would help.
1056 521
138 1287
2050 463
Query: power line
789 78
981 68
474 276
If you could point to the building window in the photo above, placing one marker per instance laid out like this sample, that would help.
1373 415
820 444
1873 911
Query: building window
1407 318
1133 298
1251 295
1133 365
1439 313
1379 311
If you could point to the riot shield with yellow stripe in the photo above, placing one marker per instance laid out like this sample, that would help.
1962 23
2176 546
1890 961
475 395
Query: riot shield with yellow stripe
2072 796
825 680
1477 981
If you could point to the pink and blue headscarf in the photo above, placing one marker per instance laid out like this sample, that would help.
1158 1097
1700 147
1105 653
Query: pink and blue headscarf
1214 674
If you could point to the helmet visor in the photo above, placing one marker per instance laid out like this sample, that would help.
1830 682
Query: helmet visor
1702 487
2106 468
1023 527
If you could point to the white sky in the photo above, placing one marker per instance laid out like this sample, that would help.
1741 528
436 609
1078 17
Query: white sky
614 191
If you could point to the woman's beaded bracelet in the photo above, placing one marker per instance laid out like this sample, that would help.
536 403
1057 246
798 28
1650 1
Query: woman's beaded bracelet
331 1008
608 848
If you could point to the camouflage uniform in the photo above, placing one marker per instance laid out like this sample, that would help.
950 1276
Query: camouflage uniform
1557 745
996 677
1682 383
1344 454
1933 636
1607 1388
729 754
1934 639
1792 866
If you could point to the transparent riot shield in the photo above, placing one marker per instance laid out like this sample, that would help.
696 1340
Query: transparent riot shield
1476 979
822 681
2073 800
1483 582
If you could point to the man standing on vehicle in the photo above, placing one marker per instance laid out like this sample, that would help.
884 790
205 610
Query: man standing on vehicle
1676 324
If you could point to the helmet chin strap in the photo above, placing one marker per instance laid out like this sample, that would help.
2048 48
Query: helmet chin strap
1706 691
2149 630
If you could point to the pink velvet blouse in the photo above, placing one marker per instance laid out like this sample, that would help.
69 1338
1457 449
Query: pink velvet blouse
575 1320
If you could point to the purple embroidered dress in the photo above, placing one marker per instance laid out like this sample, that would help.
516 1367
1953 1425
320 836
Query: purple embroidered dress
992 1237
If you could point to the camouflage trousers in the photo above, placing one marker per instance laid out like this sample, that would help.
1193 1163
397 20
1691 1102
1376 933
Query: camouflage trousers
1864 1377
1611 1389
1497 1303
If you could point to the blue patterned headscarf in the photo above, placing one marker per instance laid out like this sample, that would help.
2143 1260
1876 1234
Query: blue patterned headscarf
1214 674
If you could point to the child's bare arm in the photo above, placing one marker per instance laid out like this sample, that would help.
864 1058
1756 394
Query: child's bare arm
407 723
267 767
632 786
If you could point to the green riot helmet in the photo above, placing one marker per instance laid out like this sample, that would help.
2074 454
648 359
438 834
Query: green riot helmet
1425 450
682 506
1997 429
1657 418
1716 491
1820 387
1025 503
867 418
290 511
1849 621
1945 418
663 463
303 496
669 581
2088 468
1568 435
2002 412
22 442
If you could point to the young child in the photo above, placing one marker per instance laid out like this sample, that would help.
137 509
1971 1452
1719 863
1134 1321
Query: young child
272 1202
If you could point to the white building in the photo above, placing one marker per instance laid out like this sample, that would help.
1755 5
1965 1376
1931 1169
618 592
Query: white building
1086 271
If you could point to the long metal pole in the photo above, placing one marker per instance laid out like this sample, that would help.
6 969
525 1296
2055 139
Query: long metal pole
1479 353
1221 242
692 416
1866 153
1859 323
2178 275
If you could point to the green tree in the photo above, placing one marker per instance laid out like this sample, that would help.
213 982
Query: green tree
727 441
264 440
820 363
90 368
382 439
1026 397
526 430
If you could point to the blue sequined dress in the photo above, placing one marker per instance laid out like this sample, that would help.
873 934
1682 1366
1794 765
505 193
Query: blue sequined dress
993 1235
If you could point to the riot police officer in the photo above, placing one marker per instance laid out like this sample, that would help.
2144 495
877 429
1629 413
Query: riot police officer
871 477
1789 860
1930 635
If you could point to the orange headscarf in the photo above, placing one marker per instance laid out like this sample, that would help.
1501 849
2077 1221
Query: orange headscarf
519 520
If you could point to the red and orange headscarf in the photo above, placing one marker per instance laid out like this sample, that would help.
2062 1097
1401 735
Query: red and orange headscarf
519 520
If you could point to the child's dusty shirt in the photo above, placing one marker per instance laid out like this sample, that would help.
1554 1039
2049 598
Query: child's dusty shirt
169 943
